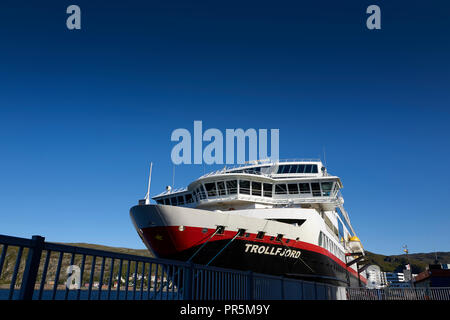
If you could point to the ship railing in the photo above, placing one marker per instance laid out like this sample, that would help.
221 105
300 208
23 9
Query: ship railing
33 269
225 171
263 196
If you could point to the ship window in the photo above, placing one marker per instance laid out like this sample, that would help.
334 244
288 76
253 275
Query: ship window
232 186
189 198
344 221
244 186
314 169
280 189
174 201
293 169
252 170
267 190
326 188
308 168
180 200
260 235
221 188
167 201
256 188
315 189
159 201
201 192
283 169
293 188
301 168
211 189
304 188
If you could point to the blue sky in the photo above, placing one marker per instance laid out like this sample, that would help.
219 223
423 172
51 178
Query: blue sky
82 113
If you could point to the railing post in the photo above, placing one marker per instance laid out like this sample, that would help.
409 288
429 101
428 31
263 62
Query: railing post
31 268
187 281
250 293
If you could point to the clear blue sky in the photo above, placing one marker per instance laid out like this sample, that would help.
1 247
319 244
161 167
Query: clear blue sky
82 113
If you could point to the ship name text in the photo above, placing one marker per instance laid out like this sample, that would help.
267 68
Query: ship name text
273 251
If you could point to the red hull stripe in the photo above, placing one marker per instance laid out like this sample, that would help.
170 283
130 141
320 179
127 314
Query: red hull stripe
194 236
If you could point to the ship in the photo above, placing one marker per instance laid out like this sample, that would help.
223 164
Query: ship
283 218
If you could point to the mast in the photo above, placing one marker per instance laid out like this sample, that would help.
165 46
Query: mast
147 196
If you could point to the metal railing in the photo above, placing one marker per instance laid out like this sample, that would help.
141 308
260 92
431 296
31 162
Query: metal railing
399 294
39 270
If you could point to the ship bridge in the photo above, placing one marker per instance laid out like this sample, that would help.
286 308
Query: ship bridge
302 183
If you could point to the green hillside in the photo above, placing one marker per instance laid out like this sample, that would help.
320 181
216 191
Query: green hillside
396 263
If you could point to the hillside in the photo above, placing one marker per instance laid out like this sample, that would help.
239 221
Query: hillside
396 263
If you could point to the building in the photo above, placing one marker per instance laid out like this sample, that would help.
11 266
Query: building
376 279
399 279
436 275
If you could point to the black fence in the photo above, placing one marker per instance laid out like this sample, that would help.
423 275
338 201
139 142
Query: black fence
32 269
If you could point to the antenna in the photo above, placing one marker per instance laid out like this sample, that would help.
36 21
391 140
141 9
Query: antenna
173 177
147 196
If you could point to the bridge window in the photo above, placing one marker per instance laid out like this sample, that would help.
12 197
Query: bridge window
232 186
304 188
293 188
297 168
159 201
221 188
167 201
315 189
201 192
326 188
244 186
267 190
180 200
256 188
211 189
189 198
174 201
280 189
